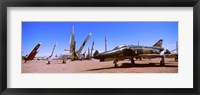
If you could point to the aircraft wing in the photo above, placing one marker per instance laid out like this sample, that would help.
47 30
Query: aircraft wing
171 55
151 55
82 46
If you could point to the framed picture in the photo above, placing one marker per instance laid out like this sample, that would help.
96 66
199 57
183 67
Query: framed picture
91 47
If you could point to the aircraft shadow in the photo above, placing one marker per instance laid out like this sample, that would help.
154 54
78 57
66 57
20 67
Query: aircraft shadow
129 65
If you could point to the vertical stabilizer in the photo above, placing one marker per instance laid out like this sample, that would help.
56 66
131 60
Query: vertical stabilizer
89 53
105 44
158 44
52 51
72 40
33 53
92 48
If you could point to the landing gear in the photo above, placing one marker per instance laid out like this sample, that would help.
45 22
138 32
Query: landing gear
64 58
162 61
132 61
101 60
64 61
48 63
115 63
138 58
176 59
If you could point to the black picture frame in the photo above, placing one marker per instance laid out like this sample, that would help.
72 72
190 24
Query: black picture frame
100 3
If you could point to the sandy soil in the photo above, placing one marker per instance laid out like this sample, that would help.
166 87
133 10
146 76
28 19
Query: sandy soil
94 66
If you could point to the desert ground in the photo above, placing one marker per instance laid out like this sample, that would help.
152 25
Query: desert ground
94 66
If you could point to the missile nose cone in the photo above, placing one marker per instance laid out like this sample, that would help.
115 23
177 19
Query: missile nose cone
90 34
40 43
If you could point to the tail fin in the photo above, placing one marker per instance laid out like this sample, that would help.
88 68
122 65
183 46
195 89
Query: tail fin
33 53
53 51
92 48
158 44
105 44
72 41
88 53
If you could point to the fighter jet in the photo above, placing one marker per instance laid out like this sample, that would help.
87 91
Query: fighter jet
130 52
76 54
33 53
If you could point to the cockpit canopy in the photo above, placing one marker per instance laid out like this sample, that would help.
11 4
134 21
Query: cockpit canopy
118 47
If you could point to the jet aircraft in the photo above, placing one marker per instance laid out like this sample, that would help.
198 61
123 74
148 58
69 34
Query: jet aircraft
130 52
76 54
33 53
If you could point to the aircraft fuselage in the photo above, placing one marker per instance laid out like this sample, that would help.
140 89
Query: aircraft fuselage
127 52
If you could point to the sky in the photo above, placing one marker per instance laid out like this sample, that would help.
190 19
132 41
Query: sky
117 33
